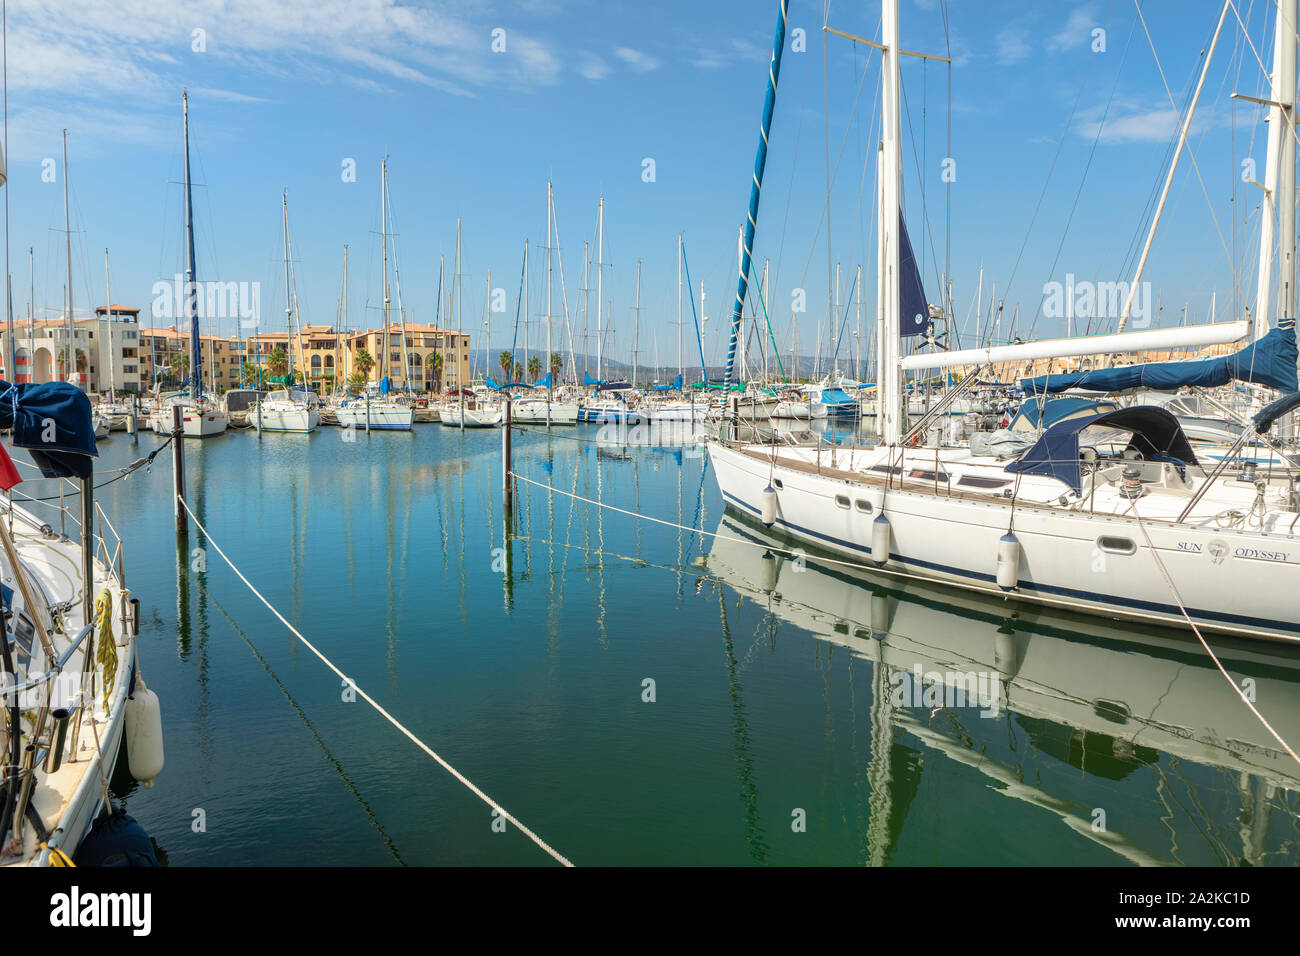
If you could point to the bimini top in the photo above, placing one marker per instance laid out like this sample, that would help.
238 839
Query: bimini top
1157 436
1035 413
1270 361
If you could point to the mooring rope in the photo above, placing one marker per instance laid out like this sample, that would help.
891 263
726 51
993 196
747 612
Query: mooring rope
875 569
374 703
1173 590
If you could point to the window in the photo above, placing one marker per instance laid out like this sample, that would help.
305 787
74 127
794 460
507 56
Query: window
863 506
842 501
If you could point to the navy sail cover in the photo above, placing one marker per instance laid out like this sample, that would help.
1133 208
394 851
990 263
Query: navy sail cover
52 420
1270 361
1156 434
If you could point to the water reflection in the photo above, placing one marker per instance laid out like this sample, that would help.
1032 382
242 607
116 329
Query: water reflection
1190 775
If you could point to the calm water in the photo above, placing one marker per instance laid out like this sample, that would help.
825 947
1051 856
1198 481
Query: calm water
783 688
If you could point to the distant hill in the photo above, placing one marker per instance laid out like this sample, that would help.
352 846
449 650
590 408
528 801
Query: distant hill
646 375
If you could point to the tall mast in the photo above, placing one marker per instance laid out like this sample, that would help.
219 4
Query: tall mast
67 235
339 339
889 377
756 189
383 232
288 300
1286 94
191 279
636 325
1268 210
460 326
857 331
600 273
108 314
527 305
550 221
681 367
586 309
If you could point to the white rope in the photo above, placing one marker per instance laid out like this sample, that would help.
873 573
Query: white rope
375 704
1197 631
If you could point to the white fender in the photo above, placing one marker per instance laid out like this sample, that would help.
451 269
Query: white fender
144 736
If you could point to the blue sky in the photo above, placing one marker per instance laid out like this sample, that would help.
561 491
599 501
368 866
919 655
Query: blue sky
283 92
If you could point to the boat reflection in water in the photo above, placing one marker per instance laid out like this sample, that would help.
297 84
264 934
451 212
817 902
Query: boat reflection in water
1128 734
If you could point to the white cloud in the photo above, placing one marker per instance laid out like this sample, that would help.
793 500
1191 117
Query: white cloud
1148 126
641 62
1011 45
733 51
132 47
593 68
1076 32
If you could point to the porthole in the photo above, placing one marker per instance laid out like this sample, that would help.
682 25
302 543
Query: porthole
842 501
1113 545
863 506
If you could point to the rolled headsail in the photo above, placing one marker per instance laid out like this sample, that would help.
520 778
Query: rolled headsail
756 189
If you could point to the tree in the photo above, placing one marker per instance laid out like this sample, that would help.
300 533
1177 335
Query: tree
357 380
328 380
277 363
252 375
506 361
519 372
534 368
179 364
557 363
364 363
435 362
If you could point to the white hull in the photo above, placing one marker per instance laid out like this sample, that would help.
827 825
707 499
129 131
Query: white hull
676 412
450 415
799 411
282 418
534 411
1232 580
382 416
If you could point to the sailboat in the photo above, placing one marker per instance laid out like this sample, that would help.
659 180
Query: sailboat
68 658
200 417
383 413
287 409
1110 513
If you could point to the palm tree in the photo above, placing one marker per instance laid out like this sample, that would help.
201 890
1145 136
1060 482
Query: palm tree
435 362
505 360
557 363
364 363
277 363
357 380
179 364
519 372
534 368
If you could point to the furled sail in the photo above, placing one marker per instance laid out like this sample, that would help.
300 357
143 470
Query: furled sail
1270 361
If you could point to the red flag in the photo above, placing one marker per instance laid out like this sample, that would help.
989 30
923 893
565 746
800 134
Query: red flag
8 473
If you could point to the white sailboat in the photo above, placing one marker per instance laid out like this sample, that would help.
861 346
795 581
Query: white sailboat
1111 514
287 409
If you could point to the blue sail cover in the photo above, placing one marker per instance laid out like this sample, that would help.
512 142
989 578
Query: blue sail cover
676 386
1271 361
1156 434
51 420
600 383
914 311
543 382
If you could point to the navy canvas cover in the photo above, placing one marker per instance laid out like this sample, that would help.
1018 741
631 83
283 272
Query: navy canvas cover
1270 361
1156 435
52 420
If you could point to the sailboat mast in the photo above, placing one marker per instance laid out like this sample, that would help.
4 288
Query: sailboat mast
600 274
889 375
550 228
383 232
108 314
636 325
191 280
681 367
288 299
67 235
1286 302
